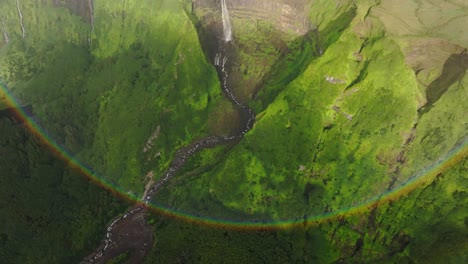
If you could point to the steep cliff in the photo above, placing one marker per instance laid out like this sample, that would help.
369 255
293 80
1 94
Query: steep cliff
356 121
264 32
82 8
288 16
137 59
378 104
355 102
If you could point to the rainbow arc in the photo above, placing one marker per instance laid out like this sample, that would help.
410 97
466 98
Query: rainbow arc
457 154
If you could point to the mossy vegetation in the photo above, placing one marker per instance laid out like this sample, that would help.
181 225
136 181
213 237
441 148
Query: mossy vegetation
50 212
340 132
304 137
107 103
345 113
426 225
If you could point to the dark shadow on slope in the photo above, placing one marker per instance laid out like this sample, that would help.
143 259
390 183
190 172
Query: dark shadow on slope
296 57
13 113
334 29
208 30
292 63
454 70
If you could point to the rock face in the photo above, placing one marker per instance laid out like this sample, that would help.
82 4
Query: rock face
288 16
83 8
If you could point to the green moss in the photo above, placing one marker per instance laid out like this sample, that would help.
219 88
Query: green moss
114 96
424 225
333 130
345 136
65 223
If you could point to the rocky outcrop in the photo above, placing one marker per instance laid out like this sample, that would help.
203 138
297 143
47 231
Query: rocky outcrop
288 16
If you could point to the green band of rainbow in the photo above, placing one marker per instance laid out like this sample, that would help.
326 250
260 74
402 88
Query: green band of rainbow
453 157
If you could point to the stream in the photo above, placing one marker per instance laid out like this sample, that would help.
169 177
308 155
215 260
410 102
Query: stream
131 232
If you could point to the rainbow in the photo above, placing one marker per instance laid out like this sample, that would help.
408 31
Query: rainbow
425 177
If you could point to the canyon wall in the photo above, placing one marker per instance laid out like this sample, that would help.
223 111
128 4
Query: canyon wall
288 16
81 8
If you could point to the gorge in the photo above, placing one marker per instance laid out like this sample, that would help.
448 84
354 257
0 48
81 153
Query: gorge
118 241
230 131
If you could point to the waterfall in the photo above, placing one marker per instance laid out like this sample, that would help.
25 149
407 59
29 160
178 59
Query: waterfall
226 22
217 59
6 37
21 18
91 14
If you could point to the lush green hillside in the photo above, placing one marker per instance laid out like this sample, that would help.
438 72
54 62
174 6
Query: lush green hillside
141 73
355 122
50 213
371 96
379 107
427 225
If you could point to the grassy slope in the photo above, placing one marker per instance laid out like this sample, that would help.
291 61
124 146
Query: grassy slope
170 66
440 18
98 95
304 127
267 59
290 132
344 162
424 226
105 105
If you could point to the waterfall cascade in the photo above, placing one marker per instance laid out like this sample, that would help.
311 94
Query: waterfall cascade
91 11
226 22
113 243
6 37
23 31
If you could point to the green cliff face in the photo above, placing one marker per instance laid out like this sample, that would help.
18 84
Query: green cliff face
365 107
353 99
104 89
381 105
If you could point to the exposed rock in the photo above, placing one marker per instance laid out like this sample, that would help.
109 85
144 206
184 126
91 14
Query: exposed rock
6 38
348 116
20 14
427 57
149 142
358 56
334 80
288 16
83 8
436 19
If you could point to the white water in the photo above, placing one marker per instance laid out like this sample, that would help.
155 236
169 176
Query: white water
226 22
217 59
6 37
21 18
91 10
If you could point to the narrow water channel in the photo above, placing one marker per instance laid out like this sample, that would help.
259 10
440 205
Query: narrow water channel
131 232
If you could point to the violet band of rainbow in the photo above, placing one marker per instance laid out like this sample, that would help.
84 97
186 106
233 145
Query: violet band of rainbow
457 154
